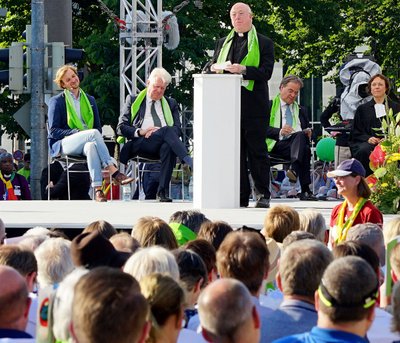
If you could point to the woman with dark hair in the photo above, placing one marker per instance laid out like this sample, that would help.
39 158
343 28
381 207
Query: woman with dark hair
366 132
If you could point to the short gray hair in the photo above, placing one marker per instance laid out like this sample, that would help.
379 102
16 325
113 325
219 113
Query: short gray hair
160 73
314 222
291 78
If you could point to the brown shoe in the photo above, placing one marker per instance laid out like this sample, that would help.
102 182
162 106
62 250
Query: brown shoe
122 179
99 196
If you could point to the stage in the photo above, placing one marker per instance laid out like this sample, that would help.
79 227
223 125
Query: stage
21 215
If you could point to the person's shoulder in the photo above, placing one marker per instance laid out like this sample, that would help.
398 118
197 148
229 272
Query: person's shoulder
57 97
264 38
303 337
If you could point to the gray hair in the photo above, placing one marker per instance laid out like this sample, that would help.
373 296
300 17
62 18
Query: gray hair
54 261
160 73
314 222
291 78
154 259
2 232
302 265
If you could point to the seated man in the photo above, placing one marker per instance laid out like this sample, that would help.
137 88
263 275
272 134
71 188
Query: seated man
289 133
151 124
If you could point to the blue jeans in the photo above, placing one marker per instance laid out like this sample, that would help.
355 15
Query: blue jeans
89 143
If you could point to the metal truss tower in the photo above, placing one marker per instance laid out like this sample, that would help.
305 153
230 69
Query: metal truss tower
140 44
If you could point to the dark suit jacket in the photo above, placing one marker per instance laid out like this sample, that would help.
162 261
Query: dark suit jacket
127 129
365 121
273 132
58 127
254 104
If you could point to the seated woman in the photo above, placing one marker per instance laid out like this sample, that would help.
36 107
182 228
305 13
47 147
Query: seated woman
356 208
75 129
366 131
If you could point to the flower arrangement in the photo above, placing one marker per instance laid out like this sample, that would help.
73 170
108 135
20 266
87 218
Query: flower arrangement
384 161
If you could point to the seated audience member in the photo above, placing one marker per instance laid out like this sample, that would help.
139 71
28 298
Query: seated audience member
379 331
289 134
75 129
23 261
102 226
214 232
56 169
279 221
208 254
3 233
121 314
228 314
152 126
391 229
54 261
26 169
366 132
295 236
313 221
79 181
92 249
123 241
14 305
192 219
396 309
166 299
13 186
345 303
350 181
395 263
371 235
151 260
193 277
244 256
151 231
300 271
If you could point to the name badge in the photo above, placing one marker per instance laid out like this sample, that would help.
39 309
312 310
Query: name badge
380 110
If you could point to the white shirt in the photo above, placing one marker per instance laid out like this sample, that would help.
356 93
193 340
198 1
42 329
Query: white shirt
148 118
297 128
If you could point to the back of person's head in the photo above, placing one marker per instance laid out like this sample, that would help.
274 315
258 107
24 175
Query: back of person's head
279 221
352 248
396 308
206 251
151 260
192 270
214 232
227 313
36 231
32 242
395 261
190 218
22 260
295 236
391 229
301 267
123 241
54 261
313 221
149 231
244 256
2 232
371 235
14 300
104 227
108 307
348 290
166 298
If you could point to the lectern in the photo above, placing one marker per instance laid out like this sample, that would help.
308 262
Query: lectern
216 134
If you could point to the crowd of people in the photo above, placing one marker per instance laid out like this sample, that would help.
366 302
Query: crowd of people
197 280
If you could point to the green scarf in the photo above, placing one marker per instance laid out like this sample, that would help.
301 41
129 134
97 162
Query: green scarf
182 233
135 109
86 111
275 118
252 59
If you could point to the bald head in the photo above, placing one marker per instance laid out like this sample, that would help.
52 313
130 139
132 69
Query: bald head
14 300
241 17
227 312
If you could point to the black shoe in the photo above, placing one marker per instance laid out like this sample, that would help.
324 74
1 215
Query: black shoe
307 196
262 203
161 197
292 176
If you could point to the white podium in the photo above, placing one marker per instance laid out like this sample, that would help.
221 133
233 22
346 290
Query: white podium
216 133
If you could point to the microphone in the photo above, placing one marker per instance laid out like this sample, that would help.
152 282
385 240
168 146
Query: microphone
207 68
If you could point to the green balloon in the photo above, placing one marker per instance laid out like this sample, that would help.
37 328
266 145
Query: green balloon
326 149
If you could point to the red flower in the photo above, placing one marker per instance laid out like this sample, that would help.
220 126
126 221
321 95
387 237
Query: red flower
377 158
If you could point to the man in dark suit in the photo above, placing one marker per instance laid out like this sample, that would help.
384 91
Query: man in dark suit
251 55
152 126
289 134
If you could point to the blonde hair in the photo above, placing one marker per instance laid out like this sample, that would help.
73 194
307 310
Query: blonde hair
391 229
61 72
280 221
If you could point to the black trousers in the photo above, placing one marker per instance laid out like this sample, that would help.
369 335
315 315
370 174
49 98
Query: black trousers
253 157
164 144
361 151
296 149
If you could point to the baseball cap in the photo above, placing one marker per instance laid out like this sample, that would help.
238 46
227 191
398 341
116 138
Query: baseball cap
347 167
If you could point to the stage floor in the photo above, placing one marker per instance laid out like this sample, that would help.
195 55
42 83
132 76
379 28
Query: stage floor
123 215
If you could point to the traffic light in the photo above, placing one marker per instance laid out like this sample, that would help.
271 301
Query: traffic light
14 76
74 55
